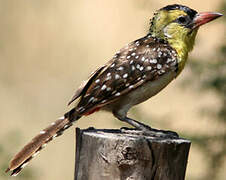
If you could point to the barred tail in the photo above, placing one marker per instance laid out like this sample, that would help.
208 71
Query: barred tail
30 150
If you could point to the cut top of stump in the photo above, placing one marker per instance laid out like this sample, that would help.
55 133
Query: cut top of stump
132 134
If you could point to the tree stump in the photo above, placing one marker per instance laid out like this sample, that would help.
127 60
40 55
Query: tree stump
112 154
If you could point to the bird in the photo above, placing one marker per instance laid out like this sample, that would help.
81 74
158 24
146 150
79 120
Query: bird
137 72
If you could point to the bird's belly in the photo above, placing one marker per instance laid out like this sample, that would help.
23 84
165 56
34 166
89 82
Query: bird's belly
146 91
149 89
141 94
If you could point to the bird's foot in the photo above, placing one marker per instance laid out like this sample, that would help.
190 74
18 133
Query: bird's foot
148 131
162 133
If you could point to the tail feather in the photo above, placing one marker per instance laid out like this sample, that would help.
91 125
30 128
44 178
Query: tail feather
30 150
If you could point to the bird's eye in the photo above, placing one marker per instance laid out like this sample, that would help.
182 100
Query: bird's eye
182 20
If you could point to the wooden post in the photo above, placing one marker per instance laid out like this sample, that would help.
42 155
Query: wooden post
129 155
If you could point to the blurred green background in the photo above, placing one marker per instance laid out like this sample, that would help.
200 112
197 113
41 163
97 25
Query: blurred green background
48 47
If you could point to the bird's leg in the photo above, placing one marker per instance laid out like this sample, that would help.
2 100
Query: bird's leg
147 129
136 124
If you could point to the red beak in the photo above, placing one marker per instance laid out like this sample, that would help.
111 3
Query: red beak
205 17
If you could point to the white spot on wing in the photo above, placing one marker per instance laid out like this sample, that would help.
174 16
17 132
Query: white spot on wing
61 118
120 68
153 61
108 78
97 81
55 135
104 101
117 76
163 71
80 109
103 87
117 94
42 132
125 75
130 87
159 54
141 68
113 92
148 68
159 66
168 60
91 99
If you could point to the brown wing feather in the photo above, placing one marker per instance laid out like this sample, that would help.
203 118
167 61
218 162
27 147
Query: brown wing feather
141 61
84 86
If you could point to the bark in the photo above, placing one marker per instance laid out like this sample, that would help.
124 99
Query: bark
104 154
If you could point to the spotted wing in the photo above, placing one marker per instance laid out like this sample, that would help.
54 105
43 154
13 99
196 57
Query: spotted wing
141 61
85 85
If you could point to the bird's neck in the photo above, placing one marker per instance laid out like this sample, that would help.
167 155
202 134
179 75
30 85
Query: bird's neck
182 52
182 44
